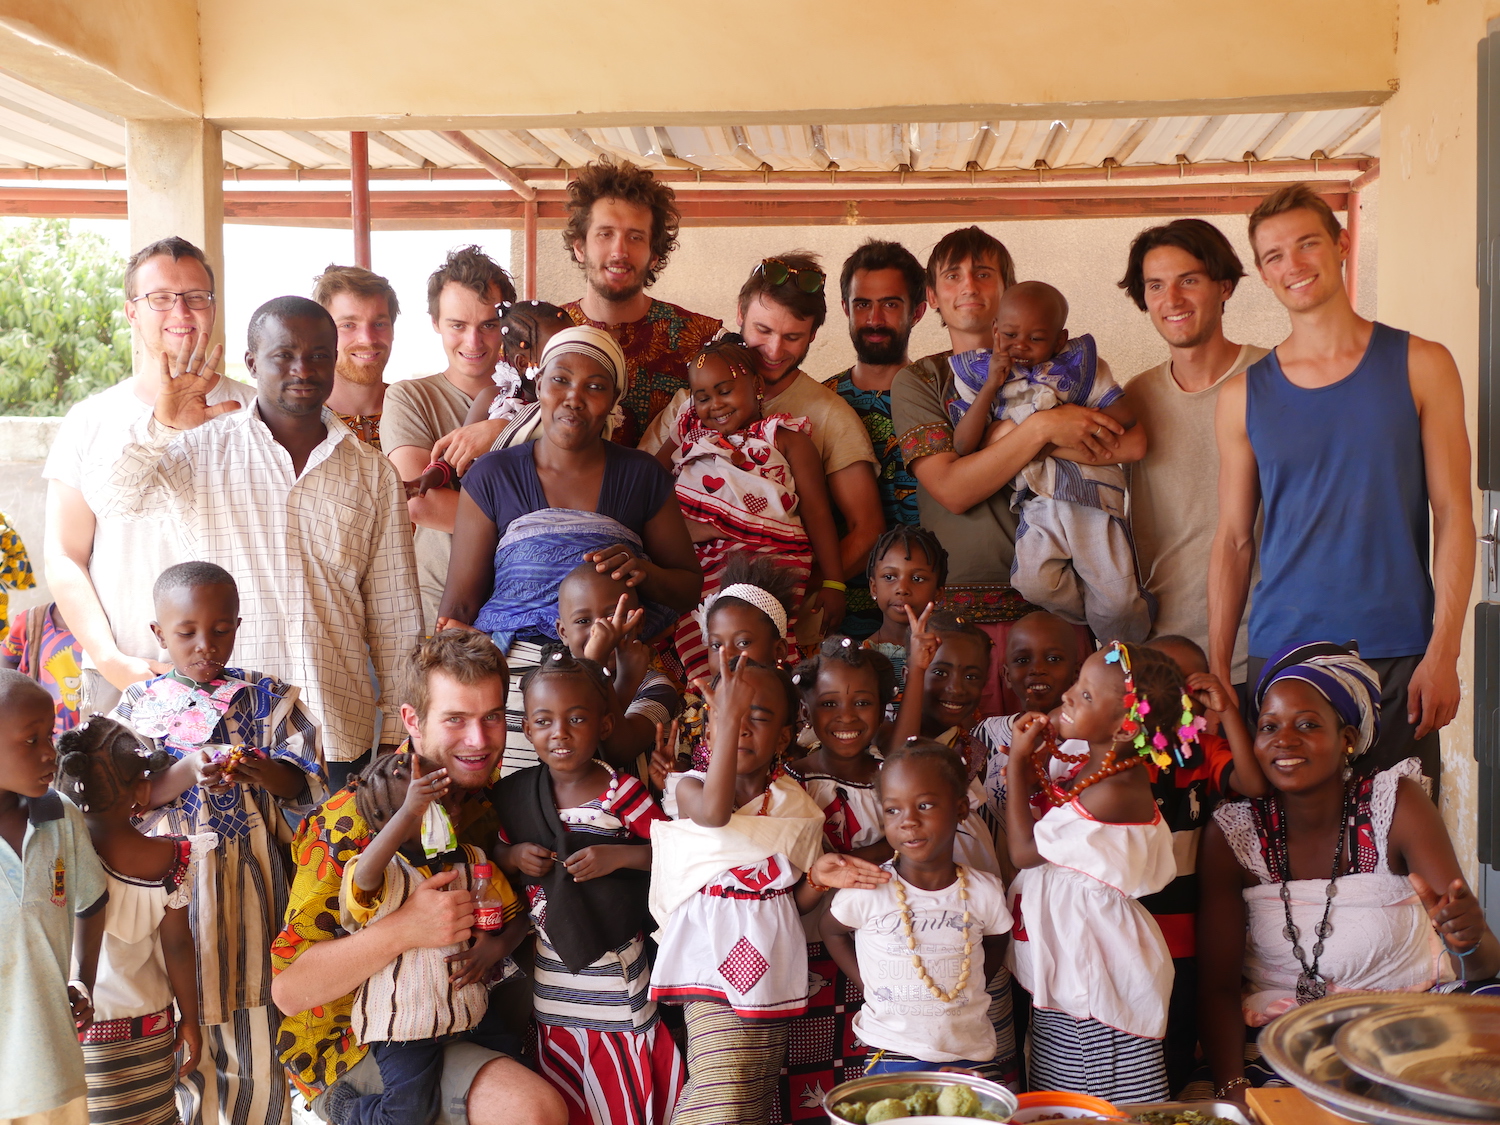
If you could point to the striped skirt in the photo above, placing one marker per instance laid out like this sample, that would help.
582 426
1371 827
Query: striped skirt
522 658
612 1077
1088 1057
131 1081
734 1066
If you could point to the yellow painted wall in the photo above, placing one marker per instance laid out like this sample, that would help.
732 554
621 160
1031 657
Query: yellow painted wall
834 60
1427 238
137 58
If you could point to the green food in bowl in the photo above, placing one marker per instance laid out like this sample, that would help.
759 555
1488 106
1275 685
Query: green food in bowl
853 1112
958 1101
886 1109
923 1103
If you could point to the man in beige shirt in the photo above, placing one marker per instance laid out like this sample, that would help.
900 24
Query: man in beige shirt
1182 275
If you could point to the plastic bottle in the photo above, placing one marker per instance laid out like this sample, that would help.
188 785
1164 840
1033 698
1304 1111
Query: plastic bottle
489 907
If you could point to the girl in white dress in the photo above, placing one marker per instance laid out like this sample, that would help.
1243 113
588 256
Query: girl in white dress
1093 959
146 961
727 887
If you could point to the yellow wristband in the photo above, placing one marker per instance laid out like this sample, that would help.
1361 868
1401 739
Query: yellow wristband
830 584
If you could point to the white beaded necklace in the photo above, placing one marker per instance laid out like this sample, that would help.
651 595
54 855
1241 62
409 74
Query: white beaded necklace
606 802
911 939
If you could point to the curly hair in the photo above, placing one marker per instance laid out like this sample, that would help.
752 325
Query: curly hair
475 270
361 282
525 328
948 761
837 649
874 254
629 183
907 536
100 761
463 654
558 660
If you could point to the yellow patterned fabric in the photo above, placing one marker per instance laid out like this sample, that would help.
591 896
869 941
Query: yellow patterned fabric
15 567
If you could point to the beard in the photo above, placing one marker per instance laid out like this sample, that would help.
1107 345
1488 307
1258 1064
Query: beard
599 282
881 349
360 374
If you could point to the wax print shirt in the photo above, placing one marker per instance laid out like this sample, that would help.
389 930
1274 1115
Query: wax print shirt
56 878
901 1014
15 566
54 663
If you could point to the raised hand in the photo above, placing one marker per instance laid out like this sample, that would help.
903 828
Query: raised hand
422 789
921 646
1455 914
732 699
608 633
834 870
186 380
664 755
1210 691
1027 735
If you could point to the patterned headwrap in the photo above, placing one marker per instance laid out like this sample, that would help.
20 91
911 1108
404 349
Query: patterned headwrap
599 346
1338 674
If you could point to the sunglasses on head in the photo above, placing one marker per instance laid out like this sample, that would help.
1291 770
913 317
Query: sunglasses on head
809 279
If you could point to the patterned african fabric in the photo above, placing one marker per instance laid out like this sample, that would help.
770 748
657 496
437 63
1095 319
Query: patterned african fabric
1090 1057
657 348
323 559
237 1081
317 1046
132 1077
366 427
55 664
15 567
240 887
733 1066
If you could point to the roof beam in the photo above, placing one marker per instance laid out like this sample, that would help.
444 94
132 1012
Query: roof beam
490 164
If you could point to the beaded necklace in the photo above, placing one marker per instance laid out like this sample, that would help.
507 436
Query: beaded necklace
1058 796
607 801
908 929
1311 984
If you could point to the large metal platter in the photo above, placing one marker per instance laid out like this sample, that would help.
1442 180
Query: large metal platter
1299 1045
873 1087
1229 1111
1443 1052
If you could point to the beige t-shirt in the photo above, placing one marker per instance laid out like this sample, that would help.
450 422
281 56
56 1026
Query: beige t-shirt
417 412
838 433
1174 499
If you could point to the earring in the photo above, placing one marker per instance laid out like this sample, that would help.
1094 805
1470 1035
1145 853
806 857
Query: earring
1348 770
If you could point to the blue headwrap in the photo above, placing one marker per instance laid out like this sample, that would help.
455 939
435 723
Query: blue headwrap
1338 674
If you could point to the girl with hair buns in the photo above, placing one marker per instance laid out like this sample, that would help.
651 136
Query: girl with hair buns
1095 963
147 960
1339 880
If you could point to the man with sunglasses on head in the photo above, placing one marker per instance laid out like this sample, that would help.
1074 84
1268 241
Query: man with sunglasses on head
781 307
100 569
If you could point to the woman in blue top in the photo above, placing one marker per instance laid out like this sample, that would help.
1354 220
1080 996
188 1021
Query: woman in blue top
528 515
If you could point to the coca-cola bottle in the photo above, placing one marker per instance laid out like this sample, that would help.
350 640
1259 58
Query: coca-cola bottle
489 907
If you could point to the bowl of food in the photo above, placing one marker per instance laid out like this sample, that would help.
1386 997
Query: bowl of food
918 1096
1058 1105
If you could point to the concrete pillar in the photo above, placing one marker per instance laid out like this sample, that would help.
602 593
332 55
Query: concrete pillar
175 185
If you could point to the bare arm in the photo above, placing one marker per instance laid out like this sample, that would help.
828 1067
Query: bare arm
1244 776
479 409
968 434
1020 828
471 563
839 941
181 958
1434 690
816 514
710 802
434 509
1120 449
1233 551
856 495
1221 956
673 577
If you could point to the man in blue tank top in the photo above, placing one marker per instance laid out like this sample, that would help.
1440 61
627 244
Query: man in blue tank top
1348 434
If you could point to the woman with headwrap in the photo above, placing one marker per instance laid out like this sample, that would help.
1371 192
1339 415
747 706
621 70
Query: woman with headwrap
531 513
1338 880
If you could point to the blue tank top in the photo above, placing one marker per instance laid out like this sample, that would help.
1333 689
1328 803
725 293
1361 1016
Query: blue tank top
1344 553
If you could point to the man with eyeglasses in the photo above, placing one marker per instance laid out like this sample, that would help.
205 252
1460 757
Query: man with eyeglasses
100 570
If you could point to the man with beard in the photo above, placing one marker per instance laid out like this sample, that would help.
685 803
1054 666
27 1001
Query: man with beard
884 290
364 307
453 713
461 299
622 225
1182 275
309 519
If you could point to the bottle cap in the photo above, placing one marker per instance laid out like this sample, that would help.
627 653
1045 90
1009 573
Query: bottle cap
483 871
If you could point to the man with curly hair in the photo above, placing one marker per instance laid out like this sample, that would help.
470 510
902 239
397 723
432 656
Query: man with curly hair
622 225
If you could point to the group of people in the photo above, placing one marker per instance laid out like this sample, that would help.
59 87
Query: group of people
623 726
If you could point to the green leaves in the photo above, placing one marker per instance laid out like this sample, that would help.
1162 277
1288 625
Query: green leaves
63 332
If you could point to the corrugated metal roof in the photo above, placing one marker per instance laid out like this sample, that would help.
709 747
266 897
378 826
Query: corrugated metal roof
40 130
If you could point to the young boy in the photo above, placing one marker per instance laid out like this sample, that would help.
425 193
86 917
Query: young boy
52 896
1074 554
41 645
600 617
249 769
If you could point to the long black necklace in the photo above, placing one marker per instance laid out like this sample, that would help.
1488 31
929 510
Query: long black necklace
1311 984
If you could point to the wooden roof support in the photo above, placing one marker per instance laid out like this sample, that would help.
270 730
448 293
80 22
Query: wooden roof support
488 162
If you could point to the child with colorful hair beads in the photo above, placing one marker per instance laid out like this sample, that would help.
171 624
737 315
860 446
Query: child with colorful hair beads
146 960
727 887
925 942
845 689
1091 956
748 483
577 832
908 567
248 768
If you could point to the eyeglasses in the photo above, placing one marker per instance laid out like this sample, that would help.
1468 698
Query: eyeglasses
163 300
809 279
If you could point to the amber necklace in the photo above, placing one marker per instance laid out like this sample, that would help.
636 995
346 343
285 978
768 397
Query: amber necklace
1056 795
908 928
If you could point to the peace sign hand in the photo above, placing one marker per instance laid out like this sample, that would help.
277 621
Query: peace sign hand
186 380
922 646
607 634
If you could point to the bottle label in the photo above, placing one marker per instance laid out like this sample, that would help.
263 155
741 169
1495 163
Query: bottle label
487 917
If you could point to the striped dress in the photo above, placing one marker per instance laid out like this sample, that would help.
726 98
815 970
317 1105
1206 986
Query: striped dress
599 1038
741 485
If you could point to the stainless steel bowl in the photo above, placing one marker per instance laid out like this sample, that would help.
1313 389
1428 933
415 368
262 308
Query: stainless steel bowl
1299 1045
1443 1052
873 1087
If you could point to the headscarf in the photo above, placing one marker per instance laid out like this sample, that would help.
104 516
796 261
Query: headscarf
582 339
1338 674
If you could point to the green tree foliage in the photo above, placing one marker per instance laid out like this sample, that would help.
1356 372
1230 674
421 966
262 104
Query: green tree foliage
63 332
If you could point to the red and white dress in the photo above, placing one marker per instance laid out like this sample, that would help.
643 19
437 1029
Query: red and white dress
600 1041
741 485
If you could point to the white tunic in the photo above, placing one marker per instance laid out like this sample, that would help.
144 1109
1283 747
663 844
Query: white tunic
1083 945
1381 941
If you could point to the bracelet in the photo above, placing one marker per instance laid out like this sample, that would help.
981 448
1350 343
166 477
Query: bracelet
1233 1084
830 584
814 884
447 471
